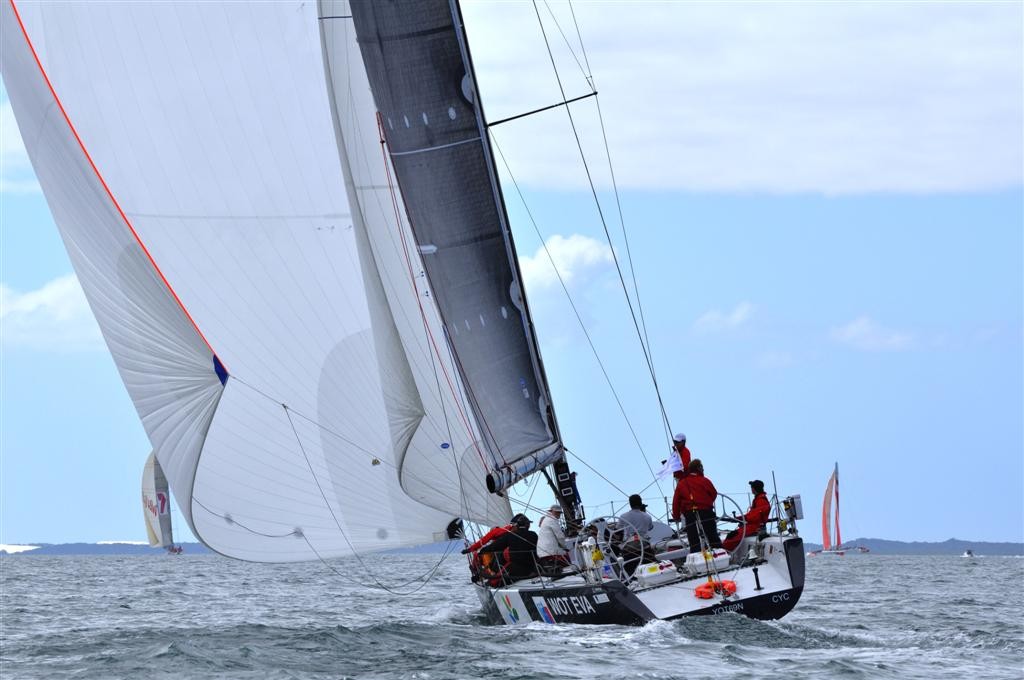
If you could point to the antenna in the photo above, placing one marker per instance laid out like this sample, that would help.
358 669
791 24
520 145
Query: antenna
775 492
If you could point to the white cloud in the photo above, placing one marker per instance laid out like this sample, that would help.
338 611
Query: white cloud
865 334
15 169
716 320
56 317
830 97
578 258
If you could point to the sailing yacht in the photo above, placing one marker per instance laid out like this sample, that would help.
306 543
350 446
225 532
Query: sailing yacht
156 507
830 521
289 225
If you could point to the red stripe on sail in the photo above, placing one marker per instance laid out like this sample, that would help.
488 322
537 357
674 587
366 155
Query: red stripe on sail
110 194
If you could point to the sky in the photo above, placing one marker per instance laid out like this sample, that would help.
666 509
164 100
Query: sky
824 205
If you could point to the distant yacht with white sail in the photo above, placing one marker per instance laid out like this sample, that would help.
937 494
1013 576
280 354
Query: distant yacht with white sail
156 506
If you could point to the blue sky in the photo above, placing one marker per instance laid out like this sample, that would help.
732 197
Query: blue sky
829 251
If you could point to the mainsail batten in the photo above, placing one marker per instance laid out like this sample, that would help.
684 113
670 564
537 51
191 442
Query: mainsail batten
418 70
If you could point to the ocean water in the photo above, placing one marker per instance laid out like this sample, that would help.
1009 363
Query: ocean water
861 616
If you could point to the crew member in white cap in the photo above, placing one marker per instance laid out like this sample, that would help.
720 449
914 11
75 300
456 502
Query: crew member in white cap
551 548
679 444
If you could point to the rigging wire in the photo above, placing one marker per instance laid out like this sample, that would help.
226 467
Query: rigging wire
299 533
572 304
337 523
588 75
324 428
423 579
618 201
604 224
610 482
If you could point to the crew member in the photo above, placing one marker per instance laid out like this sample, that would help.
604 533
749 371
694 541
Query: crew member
677 461
551 548
636 523
636 526
487 566
755 518
520 545
491 535
694 500
679 444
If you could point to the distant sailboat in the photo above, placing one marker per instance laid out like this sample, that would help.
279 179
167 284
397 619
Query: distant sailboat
156 506
831 491
830 521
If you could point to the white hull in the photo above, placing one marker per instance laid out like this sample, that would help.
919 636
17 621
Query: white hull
768 589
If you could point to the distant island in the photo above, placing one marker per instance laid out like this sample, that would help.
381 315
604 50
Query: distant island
952 546
103 548
877 546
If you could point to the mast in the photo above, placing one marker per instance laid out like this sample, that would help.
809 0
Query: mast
839 537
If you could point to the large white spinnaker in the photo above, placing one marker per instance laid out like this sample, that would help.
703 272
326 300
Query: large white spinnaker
418 70
156 504
188 155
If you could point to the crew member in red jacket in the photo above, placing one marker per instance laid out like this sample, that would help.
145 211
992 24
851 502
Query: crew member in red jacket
755 518
694 500
483 564
490 536
679 443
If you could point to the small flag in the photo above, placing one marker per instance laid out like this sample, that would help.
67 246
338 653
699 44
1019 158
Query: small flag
673 464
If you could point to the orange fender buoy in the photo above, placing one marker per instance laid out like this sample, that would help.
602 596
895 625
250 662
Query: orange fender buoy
706 591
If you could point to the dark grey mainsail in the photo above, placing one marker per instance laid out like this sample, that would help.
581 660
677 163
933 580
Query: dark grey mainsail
422 80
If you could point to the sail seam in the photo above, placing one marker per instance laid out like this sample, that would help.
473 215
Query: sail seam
99 176
406 36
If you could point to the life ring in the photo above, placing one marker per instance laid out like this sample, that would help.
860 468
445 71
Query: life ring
706 591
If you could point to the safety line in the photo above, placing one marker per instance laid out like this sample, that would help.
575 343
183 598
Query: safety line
589 77
604 224
568 296
618 202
